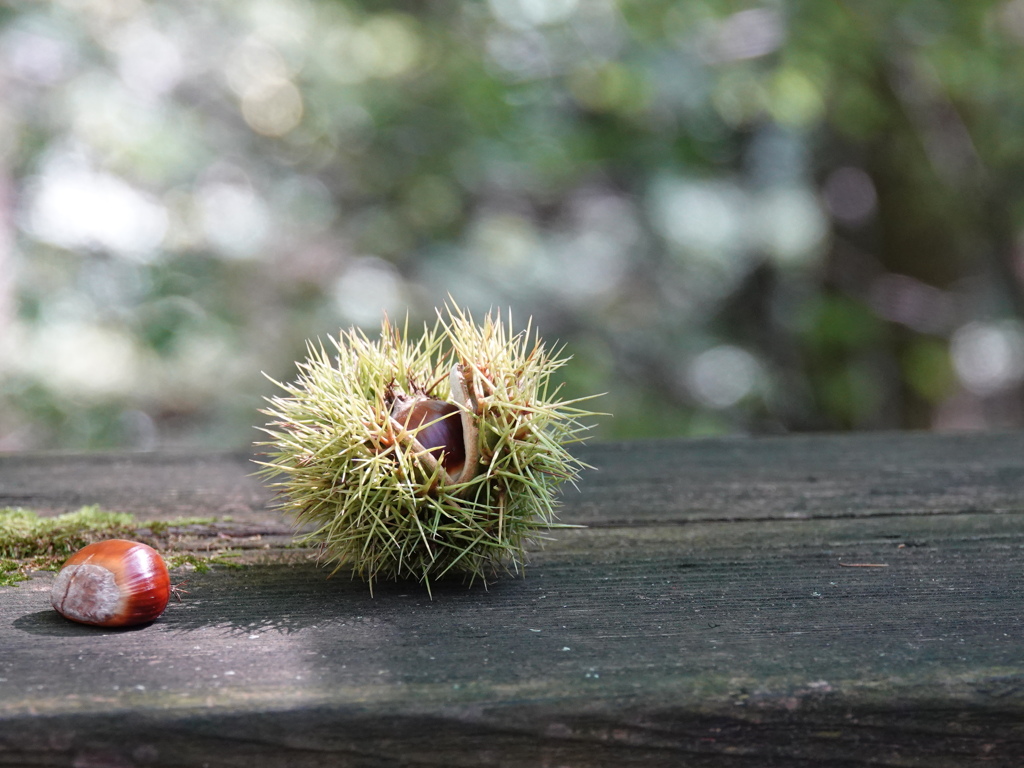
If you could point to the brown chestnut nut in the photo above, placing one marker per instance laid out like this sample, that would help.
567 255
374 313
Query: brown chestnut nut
113 583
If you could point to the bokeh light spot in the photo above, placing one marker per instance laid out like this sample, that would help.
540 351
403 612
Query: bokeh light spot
274 109
850 195
74 207
369 288
989 356
234 220
524 14
722 376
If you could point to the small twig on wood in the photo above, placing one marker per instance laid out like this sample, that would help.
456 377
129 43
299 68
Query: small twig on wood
864 565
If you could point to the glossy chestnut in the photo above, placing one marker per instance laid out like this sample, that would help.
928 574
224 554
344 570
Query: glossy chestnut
113 583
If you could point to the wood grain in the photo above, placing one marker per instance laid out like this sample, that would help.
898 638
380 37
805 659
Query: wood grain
704 617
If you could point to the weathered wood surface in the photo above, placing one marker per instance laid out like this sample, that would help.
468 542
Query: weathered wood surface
716 612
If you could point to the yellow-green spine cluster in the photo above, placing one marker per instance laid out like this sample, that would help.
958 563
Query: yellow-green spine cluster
394 495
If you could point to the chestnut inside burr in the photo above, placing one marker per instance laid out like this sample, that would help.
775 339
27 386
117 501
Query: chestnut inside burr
439 428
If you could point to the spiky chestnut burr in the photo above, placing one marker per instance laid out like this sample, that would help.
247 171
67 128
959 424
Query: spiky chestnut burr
417 459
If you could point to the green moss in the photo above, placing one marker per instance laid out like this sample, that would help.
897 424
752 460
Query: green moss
202 563
168 527
10 573
25 535
29 542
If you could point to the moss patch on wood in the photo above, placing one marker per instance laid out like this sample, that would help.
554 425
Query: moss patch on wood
30 542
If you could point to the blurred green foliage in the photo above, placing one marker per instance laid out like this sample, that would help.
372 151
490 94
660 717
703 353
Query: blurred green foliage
739 217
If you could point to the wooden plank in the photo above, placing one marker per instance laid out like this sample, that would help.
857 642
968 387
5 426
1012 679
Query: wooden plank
150 485
714 612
